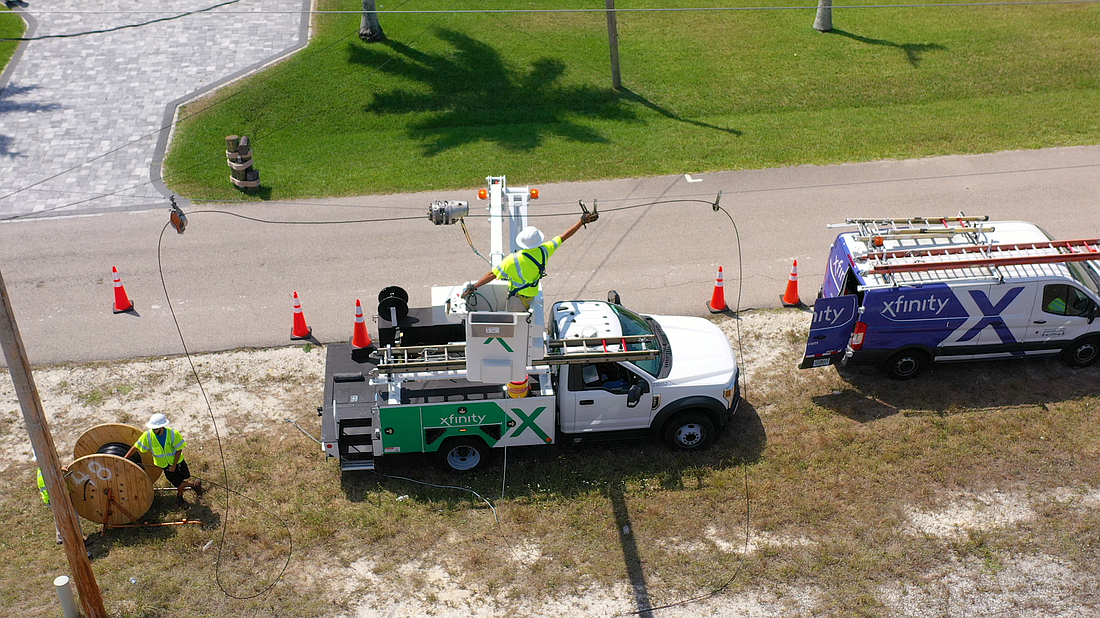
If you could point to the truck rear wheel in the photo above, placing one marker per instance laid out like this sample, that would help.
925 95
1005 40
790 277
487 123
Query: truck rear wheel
689 431
906 364
463 454
1082 353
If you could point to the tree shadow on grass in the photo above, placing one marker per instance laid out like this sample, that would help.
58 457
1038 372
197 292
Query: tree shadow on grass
913 51
473 96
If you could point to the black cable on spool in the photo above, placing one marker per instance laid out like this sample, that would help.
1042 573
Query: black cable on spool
119 449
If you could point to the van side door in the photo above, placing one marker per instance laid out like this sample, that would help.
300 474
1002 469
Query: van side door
1062 313
1005 311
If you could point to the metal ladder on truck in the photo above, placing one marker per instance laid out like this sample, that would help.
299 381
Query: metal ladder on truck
452 357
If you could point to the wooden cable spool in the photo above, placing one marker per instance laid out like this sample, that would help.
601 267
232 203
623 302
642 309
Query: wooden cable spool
108 489
102 438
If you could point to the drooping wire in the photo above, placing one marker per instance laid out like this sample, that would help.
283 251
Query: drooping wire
465 231
221 451
492 507
175 122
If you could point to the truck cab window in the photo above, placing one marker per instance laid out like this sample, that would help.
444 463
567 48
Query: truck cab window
612 377
1062 299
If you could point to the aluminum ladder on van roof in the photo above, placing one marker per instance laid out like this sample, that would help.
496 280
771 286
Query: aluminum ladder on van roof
876 231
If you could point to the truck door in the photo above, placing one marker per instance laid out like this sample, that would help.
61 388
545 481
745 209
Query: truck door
834 319
598 394
1060 315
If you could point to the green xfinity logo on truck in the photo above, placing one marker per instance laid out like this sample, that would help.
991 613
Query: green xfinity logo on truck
529 421
502 342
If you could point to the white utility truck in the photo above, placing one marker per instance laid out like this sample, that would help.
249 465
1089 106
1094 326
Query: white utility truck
449 379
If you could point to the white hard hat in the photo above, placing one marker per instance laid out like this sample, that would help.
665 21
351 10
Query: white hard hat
157 421
530 237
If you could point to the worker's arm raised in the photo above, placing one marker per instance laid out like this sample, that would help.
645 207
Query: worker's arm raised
587 217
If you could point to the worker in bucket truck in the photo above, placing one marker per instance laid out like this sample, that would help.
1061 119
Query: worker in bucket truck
524 268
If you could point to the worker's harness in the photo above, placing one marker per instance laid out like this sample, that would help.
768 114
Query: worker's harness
541 266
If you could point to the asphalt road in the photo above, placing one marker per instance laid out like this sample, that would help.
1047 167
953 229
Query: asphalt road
230 280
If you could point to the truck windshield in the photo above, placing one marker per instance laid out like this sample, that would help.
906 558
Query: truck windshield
634 324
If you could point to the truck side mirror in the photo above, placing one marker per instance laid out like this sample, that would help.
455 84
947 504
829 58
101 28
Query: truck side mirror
1092 313
634 395
613 298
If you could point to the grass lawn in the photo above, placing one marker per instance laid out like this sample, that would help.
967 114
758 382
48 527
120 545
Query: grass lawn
10 27
449 99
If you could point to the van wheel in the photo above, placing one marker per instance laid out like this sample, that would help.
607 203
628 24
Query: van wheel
1082 353
463 454
906 364
690 431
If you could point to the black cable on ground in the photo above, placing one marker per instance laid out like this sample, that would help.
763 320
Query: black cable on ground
221 451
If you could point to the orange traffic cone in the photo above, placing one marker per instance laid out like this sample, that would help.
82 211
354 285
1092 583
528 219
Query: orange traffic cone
790 297
300 330
360 338
717 302
122 301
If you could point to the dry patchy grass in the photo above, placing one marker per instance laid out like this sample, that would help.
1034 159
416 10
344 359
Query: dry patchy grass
969 491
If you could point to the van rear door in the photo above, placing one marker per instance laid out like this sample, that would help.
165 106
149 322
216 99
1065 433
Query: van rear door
834 320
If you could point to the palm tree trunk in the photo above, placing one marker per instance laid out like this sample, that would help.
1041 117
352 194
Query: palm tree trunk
369 28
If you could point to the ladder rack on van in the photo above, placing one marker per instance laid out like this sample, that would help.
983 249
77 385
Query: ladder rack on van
876 231
986 255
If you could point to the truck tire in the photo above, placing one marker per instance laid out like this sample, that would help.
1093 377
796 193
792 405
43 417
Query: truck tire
1081 353
689 431
906 365
463 454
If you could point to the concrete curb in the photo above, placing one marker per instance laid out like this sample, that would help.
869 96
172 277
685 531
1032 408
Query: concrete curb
171 111
32 25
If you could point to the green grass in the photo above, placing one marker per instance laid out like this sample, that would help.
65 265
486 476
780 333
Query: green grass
449 99
10 27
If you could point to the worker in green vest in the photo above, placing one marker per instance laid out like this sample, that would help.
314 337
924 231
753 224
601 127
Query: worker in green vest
524 268
46 500
166 445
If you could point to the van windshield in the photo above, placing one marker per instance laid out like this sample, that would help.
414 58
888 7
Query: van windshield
1087 275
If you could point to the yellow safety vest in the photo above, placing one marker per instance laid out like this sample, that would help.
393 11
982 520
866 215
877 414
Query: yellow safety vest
523 269
42 488
163 456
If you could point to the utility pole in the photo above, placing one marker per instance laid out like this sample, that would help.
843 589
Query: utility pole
33 414
613 43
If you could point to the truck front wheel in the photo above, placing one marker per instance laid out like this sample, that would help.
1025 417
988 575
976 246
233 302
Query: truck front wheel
463 454
689 431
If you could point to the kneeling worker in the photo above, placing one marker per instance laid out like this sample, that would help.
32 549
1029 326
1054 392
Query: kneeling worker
524 268
166 445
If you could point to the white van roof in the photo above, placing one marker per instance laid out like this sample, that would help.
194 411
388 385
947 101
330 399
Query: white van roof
1000 235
